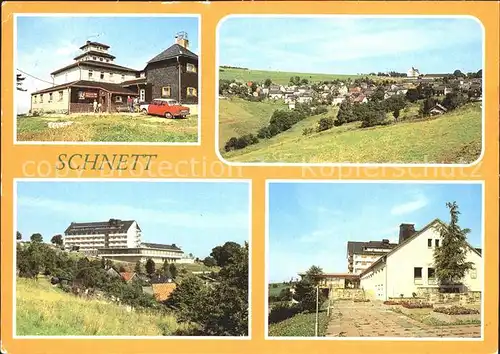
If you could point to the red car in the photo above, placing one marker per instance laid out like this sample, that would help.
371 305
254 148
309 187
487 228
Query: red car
168 108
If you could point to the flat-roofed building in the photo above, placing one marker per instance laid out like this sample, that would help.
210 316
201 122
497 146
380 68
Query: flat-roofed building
159 253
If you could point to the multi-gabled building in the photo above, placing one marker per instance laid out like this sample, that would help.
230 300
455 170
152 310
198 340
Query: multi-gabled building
408 268
94 76
114 233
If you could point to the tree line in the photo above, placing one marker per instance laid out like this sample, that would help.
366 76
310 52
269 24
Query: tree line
219 307
280 121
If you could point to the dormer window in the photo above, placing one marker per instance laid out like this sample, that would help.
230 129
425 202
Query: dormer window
94 58
101 59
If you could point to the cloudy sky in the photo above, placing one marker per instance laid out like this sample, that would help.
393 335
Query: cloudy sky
195 215
310 223
45 44
350 45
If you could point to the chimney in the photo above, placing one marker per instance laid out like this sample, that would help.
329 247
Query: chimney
181 38
405 232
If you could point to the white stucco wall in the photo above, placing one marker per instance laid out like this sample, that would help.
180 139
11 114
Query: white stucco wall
133 236
416 253
82 73
57 104
66 76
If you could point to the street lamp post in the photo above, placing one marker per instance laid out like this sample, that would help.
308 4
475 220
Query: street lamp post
317 311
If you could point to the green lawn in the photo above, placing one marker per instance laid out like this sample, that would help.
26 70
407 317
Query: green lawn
275 290
44 310
452 138
300 325
277 77
108 128
239 117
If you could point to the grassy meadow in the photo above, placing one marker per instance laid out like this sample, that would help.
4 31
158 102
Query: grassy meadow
277 77
108 128
44 310
239 117
275 288
452 138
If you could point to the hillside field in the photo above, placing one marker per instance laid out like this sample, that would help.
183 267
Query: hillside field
108 128
277 77
44 310
452 138
239 117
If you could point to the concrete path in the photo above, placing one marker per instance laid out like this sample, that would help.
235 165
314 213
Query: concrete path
373 319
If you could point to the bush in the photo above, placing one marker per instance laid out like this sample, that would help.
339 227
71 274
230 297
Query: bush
325 124
416 305
282 311
456 310
307 131
321 110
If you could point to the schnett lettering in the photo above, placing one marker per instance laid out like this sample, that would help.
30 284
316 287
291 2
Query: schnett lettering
99 162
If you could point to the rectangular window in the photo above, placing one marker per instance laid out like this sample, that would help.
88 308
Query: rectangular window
34 98
417 273
429 243
90 74
431 276
191 91
110 75
142 95
118 99
102 76
165 91
473 274
191 68
50 97
123 77
61 94
436 243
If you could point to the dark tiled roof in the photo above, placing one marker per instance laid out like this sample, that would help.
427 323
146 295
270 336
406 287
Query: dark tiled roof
172 52
433 223
112 226
141 80
113 88
172 247
159 279
94 43
96 53
360 247
95 64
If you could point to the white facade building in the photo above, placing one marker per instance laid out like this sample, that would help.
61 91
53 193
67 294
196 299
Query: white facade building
410 267
91 236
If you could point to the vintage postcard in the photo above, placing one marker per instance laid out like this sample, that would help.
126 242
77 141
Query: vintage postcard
107 79
351 89
91 261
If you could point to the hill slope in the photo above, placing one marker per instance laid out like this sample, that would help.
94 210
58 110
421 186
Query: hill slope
452 138
44 310
238 117
277 77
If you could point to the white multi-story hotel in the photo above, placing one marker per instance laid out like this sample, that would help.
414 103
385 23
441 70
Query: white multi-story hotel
114 233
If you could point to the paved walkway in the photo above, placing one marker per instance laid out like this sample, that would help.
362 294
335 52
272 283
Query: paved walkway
373 319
